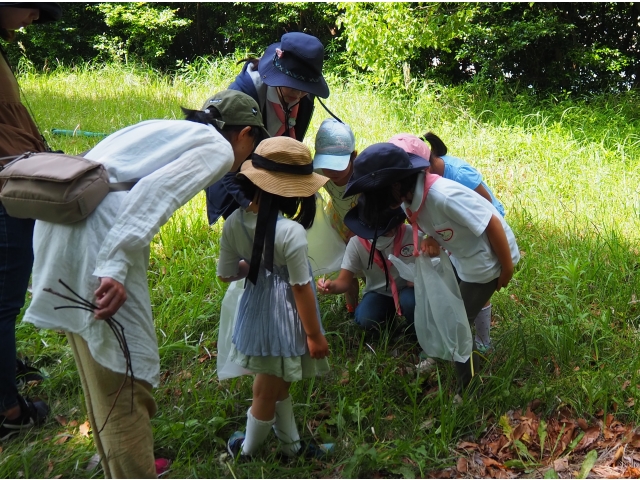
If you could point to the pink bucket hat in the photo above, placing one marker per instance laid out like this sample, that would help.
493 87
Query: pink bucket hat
411 144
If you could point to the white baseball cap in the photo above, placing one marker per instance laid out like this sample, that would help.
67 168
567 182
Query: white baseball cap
334 145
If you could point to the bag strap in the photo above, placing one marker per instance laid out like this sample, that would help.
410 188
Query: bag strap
121 186
429 180
379 259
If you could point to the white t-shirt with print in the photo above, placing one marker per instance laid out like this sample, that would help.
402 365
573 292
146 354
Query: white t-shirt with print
457 218
356 258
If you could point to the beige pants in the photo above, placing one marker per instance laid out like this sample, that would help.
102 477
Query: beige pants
125 445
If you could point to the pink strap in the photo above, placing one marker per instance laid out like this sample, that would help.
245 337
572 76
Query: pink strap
397 246
429 180
280 114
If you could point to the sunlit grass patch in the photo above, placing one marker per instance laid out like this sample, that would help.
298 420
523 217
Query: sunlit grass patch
565 330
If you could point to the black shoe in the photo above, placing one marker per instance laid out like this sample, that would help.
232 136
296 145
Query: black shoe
25 373
32 413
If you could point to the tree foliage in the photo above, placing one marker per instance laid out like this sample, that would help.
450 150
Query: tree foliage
559 47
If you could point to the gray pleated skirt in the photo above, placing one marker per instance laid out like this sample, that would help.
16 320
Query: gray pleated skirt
268 335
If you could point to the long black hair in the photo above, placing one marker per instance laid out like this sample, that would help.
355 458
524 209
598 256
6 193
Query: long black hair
298 209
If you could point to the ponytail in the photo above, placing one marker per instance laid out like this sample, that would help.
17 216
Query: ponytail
438 148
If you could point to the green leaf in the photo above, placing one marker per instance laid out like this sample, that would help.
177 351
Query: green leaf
506 427
519 464
551 473
574 442
587 465
542 433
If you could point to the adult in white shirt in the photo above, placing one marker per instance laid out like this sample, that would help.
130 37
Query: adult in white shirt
105 257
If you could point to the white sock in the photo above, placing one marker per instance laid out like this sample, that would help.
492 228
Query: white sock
285 427
256 434
483 327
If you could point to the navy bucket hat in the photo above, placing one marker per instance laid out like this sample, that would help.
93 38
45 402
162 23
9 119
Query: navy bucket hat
356 222
49 11
295 62
380 165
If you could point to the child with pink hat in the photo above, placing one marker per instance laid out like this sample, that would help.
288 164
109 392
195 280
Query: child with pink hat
456 169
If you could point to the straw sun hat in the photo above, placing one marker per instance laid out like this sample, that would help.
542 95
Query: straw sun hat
283 166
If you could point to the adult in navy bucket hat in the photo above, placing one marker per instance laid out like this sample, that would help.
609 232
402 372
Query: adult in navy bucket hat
284 83
295 62
380 165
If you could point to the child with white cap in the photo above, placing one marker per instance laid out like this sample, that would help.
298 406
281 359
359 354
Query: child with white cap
335 152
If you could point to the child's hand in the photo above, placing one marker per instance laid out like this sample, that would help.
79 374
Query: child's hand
324 286
505 277
318 346
430 247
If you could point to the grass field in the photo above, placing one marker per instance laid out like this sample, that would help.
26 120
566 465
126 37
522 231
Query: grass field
565 331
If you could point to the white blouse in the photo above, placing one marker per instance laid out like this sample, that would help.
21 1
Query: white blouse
172 160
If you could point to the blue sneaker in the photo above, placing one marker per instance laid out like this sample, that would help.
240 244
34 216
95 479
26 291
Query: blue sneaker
234 445
311 450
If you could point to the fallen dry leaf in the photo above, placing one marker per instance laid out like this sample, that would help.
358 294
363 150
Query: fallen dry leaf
84 429
561 464
630 402
490 462
590 436
62 420
49 469
582 423
631 472
468 445
626 384
496 473
62 438
602 471
73 423
462 465
617 456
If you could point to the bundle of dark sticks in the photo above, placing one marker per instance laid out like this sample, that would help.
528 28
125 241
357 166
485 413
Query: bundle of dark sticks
117 329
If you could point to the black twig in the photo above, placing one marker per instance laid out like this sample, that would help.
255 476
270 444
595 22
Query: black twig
118 331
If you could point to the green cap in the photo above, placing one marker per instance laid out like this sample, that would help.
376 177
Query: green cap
236 108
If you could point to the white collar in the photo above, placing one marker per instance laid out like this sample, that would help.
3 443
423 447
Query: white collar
272 96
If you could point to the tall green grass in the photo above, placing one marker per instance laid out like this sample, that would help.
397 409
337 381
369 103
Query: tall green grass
566 327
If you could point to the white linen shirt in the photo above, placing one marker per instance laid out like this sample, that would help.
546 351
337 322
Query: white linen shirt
356 258
172 160
289 249
457 217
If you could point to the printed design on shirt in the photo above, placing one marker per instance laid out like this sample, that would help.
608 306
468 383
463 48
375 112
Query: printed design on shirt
446 234
407 250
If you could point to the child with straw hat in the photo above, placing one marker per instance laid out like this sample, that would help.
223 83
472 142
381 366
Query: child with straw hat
285 341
